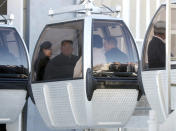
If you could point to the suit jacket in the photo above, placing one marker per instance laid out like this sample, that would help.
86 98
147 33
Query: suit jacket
40 66
60 67
156 53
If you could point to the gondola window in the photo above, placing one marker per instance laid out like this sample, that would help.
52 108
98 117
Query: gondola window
114 54
154 58
58 52
13 59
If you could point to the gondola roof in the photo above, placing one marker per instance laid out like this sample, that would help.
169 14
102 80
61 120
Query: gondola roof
6 25
93 16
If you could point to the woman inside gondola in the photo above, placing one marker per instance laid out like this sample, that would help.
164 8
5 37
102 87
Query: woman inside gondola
42 60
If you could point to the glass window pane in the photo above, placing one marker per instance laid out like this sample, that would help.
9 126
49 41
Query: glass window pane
155 42
113 49
63 42
13 59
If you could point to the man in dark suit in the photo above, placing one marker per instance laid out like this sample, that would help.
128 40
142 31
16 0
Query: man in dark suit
156 48
62 66
113 54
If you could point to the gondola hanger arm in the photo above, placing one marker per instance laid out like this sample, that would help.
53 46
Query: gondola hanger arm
86 7
8 19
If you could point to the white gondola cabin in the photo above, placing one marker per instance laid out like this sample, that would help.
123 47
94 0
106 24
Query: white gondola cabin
90 76
154 73
14 74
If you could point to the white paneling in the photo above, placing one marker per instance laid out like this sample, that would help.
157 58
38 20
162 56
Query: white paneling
16 7
126 11
138 19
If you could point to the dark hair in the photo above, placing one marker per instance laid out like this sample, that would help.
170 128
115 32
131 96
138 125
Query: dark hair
156 33
97 41
66 41
46 45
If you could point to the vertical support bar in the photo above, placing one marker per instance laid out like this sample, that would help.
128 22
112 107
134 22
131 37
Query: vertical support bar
26 22
148 11
87 49
126 12
168 52
138 18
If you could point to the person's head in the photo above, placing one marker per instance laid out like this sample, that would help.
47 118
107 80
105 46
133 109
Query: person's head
110 43
97 41
45 47
160 29
67 47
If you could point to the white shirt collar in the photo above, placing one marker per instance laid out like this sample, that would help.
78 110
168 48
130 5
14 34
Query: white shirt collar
159 38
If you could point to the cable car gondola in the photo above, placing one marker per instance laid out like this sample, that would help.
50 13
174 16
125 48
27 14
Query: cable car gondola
14 73
154 72
90 74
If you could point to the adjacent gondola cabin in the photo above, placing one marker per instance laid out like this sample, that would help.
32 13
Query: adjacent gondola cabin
154 74
14 74
91 76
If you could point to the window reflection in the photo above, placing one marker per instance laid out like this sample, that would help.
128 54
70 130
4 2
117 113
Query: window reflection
13 59
114 53
99 52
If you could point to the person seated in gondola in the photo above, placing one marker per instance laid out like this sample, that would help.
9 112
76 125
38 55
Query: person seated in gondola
62 66
113 54
78 69
42 60
156 48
